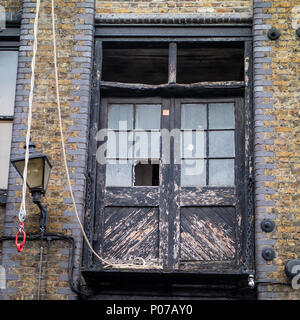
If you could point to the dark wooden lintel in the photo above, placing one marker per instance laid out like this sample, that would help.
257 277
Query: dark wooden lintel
170 88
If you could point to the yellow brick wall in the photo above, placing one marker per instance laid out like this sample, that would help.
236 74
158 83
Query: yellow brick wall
285 151
73 67
175 6
12 5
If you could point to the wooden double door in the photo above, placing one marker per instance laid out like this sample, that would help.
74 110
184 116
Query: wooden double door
172 187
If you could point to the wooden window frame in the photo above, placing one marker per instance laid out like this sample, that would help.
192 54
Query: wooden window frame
173 35
9 41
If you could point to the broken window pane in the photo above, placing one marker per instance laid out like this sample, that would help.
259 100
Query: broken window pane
146 175
134 133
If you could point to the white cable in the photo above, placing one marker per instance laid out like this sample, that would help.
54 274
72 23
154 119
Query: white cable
22 212
107 263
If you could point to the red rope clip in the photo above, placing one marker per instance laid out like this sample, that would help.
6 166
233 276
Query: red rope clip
20 245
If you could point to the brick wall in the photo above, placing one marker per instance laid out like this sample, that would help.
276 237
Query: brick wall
74 45
277 142
175 6
12 5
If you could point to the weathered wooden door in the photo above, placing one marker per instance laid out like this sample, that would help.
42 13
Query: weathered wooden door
132 185
209 185
171 190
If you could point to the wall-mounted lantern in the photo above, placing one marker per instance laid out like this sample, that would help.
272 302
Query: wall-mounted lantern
38 174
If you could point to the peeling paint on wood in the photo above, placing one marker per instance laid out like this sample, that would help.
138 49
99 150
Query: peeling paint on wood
130 233
207 234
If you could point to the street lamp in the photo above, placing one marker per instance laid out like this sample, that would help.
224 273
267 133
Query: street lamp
38 174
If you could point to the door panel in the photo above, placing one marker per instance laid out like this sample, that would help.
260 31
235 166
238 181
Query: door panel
131 232
207 234
137 197
207 196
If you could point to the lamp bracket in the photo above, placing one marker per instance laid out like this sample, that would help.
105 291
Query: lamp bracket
36 198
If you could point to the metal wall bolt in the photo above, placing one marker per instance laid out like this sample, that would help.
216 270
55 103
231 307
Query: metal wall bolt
274 34
267 225
268 254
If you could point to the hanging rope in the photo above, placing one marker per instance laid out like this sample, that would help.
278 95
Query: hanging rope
105 262
22 211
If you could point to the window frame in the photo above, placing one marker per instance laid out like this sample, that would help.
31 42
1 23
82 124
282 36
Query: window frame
9 41
172 34
134 101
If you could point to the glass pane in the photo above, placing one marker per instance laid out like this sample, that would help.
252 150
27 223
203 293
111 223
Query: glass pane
119 144
8 74
5 141
193 116
118 175
193 173
148 116
147 145
221 116
120 116
221 144
46 174
221 172
35 173
155 145
193 144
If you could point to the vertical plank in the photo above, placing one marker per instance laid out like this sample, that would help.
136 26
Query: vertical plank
174 239
92 162
100 185
240 175
164 179
249 164
172 62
